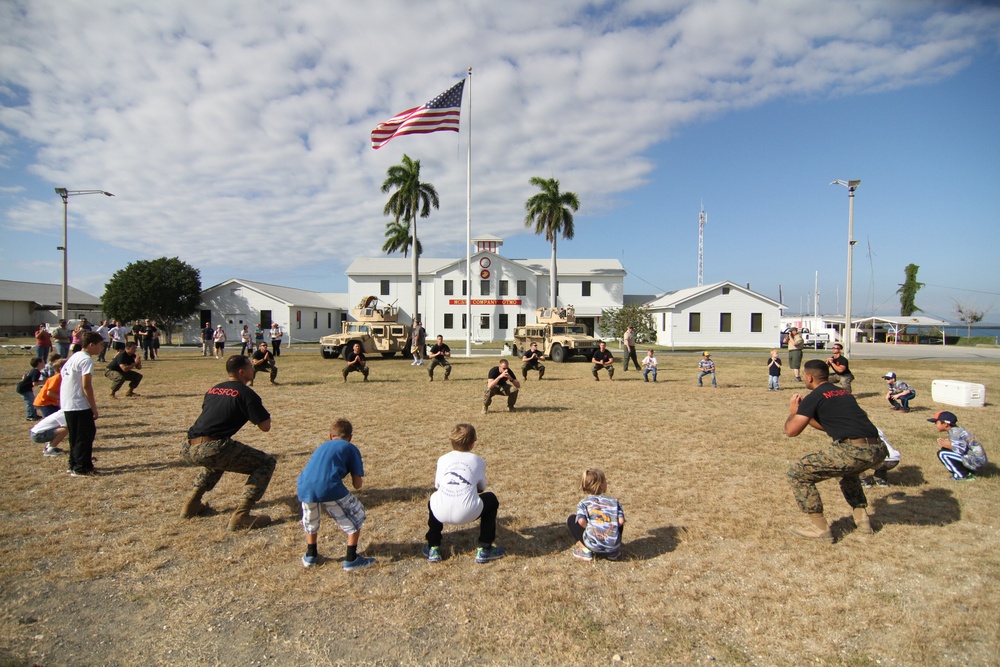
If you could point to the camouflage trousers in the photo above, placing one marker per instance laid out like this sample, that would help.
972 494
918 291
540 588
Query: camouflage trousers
439 361
228 455
609 369
846 460
532 366
119 378
507 390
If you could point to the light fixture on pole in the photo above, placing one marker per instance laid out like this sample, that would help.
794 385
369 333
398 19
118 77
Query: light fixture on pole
66 194
851 187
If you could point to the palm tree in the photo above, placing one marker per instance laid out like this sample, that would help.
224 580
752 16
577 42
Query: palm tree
551 212
410 197
398 238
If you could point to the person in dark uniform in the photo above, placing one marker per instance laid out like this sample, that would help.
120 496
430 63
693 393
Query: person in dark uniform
225 410
856 447
840 368
263 360
439 357
501 380
603 359
532 361
356 362
123 369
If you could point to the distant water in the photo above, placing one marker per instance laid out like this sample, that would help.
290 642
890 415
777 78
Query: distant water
991 331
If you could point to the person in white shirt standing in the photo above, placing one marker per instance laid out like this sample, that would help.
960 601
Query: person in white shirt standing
76 397
276 335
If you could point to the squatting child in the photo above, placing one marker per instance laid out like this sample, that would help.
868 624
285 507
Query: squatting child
461 497
706 367
321 489
599 521
773 371
960 452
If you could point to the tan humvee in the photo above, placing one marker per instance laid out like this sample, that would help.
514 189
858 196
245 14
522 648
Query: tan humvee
558 335
376 329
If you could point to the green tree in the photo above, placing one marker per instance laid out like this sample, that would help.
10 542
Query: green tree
166 290
398 237
550 212
908 291
969 315
614 321
411 197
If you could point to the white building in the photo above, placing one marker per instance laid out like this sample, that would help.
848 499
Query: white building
23 306
304 316
505 292
714 316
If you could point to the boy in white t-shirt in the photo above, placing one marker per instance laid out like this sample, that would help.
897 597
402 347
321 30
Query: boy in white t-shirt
461 497
76 397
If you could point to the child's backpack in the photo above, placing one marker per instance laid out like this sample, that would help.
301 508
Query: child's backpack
975 456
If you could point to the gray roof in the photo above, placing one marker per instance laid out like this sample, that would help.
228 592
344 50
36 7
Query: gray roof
673 299
44 294
391 266
292 296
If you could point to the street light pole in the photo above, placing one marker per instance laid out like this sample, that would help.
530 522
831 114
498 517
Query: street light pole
66 194
851 187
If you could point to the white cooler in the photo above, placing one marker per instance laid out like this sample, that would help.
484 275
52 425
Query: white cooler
955 392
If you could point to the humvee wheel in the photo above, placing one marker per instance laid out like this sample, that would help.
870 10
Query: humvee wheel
388 355
558 354
513 350
326 353
347 348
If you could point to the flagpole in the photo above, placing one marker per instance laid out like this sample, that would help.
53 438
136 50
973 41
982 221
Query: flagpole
468 233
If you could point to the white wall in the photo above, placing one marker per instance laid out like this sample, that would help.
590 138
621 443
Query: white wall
738 304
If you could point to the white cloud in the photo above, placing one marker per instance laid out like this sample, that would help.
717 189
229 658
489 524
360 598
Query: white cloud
255 115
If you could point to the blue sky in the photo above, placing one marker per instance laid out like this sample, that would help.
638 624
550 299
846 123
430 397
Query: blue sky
235 136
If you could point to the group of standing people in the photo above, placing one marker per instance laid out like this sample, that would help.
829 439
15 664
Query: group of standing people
213 341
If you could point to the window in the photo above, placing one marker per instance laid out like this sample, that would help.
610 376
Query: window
449 287
725 290
484 321
265 319
726 322
756 322
449 321
586 288
502 323
521 319
465 321
694 321
384 287
484 287
420 287
315 320
504 290
465 290
557 288
522 287
329 320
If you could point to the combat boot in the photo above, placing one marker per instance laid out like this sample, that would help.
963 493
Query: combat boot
862 521
193 506
819 530
242 519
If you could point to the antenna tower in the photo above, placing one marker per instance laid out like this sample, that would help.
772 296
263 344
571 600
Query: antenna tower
702 219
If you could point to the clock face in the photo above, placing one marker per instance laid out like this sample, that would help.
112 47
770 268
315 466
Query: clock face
484 262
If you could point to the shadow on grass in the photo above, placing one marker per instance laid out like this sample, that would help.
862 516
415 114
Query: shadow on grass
907 476
140 467
659 541
160 397
533 408
931 507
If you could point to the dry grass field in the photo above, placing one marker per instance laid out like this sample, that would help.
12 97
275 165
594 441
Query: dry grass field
101 571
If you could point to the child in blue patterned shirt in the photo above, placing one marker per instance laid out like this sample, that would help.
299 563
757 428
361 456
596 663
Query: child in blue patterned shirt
599 520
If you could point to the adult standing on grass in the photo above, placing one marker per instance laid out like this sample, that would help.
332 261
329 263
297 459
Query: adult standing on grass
43 342
418 343
207 338
276 334
119 336
629 342
501 380
795 344
840 368
219 337
76 396
856 447
61 337
226 409
106 336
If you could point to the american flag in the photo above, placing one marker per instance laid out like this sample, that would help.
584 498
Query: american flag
438 115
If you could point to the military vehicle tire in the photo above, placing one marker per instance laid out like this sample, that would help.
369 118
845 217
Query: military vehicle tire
327 354
347 347
558 353
513 350
388 355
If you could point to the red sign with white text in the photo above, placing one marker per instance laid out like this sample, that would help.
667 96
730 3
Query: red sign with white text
486 302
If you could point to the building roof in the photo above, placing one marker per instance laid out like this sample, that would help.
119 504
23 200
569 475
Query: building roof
46 295
291 296
899 321
670 300
400 266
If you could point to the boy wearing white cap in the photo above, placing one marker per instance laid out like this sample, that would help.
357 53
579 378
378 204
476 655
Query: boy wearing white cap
900 394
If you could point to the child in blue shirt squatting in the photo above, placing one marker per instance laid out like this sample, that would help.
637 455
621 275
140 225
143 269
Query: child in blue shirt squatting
599 520
321 488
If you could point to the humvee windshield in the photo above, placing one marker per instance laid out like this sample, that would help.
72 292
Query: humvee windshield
354 327
568 329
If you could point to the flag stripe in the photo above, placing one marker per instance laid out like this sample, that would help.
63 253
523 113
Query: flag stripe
441 114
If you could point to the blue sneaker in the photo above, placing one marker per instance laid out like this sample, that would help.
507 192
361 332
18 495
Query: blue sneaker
358 563
486 554
433 554
309 561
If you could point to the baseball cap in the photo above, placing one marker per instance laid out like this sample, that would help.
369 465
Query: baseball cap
706 354
889 376
944 416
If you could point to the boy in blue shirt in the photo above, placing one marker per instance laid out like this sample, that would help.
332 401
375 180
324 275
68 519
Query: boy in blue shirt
321 488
